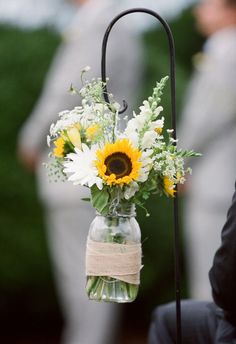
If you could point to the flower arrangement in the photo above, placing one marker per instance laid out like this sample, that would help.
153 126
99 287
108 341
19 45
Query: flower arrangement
120 167
128 165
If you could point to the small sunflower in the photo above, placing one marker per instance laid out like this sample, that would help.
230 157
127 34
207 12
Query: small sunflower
118 163
59 148
169 186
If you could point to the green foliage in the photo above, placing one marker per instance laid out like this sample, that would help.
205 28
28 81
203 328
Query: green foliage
100 199
24 263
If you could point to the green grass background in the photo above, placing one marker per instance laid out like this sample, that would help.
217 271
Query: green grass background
27 292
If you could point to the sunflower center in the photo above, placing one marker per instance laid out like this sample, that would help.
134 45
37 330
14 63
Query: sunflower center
118 164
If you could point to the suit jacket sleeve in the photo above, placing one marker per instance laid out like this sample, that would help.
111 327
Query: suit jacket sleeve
222 274
210 105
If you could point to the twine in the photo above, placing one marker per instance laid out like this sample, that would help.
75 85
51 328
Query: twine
119 261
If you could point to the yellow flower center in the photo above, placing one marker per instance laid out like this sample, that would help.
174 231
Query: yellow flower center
158 130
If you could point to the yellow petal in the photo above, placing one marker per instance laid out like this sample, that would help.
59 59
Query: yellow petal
169 186
74 137
59 148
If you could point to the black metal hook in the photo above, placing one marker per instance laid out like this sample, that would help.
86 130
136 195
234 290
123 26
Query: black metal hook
172 57
173 108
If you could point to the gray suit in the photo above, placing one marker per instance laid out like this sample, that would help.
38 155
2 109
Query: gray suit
68 217
205 322
209 126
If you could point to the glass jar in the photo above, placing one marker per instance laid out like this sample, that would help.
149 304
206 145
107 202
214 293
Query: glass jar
119 228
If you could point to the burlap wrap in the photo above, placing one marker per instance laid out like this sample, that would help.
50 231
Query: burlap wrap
122 262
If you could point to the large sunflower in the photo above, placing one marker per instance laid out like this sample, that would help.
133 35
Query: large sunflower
118 163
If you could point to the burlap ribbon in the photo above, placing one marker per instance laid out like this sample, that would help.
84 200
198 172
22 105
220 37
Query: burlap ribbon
119 261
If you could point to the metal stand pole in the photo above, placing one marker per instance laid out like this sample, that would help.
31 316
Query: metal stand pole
173 107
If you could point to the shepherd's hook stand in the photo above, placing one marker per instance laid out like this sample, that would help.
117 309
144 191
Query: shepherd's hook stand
173 108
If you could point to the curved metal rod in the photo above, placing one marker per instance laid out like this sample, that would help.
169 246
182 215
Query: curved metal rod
173 107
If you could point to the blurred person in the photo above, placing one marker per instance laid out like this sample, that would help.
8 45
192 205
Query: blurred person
208 125
205 322
33 14
67 216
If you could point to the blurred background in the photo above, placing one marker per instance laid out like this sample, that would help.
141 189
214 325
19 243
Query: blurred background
30 32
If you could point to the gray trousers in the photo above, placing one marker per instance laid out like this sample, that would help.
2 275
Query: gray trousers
202 323
86 322
203 224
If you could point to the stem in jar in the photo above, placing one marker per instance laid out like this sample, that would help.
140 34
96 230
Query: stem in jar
107 288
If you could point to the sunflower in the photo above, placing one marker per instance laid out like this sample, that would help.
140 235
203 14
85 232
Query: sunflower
169 186
118 163
59 148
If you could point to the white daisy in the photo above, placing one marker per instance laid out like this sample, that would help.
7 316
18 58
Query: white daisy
81 167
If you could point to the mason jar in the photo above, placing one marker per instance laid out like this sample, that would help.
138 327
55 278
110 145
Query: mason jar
113 258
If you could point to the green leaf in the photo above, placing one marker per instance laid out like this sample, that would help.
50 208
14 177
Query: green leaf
188 154
146 195
86 199
100 199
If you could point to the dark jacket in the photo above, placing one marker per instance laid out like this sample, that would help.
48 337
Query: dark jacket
223 272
